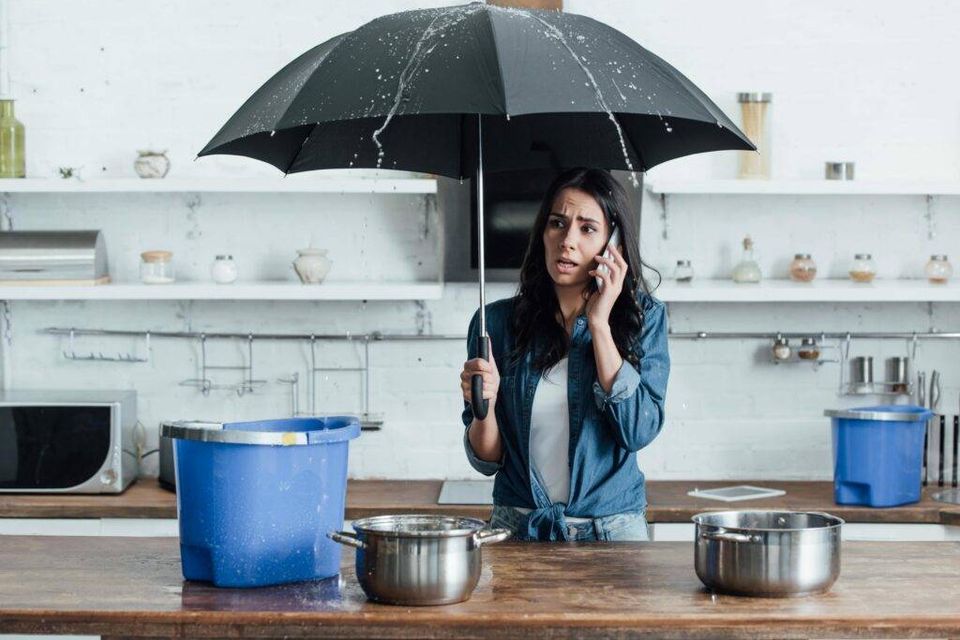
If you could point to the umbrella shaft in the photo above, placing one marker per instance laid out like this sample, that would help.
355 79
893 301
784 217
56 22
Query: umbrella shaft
480 252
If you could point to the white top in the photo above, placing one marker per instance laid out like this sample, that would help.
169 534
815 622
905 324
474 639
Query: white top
550 433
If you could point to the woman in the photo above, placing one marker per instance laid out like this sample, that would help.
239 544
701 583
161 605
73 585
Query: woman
584 374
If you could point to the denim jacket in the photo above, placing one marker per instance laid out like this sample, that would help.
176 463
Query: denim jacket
606 429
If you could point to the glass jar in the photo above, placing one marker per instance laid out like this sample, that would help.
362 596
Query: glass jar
809 349
755 111
803 268
863 268
938 269
683 272
224 269
12 159
781 349
156 267
151 164
747 270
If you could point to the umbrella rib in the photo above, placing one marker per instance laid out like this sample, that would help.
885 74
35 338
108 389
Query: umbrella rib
300 150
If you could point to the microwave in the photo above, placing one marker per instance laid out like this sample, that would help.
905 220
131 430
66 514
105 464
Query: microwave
67 441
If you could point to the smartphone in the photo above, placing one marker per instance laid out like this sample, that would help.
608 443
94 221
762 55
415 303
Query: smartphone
615 241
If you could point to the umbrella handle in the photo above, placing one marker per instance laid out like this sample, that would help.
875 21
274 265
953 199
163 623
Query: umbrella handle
480 404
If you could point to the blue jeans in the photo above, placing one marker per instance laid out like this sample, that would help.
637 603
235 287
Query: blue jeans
618 527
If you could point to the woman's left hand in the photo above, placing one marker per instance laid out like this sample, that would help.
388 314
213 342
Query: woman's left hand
600 303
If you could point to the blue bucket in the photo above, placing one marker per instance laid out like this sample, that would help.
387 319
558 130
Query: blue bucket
877 454
255 500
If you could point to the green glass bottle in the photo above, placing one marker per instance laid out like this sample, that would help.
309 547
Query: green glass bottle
12 157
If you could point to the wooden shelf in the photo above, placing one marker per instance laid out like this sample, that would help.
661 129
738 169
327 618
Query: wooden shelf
290 184
816 291
237 291
803 187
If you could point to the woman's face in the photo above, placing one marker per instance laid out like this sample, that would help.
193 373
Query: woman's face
575 234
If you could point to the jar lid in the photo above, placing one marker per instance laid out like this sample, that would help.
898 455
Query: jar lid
224 256
156 256
801 256
939 256
781 341
755 96
862 256
809 342
683 263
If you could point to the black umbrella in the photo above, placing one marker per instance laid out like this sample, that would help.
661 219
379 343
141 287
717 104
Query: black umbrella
459 90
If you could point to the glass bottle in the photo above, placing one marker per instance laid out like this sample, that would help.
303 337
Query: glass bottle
747 270
12 134
809 349
156 267
755 110
938 269
781 349
803 268
684 271
863 268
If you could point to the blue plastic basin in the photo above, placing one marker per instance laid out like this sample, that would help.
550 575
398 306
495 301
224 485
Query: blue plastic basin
877 454
255 500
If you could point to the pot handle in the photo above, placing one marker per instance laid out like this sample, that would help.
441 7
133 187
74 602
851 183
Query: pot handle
347 538
729 536
490 536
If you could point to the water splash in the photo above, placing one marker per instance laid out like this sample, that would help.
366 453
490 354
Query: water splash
554 32
444 20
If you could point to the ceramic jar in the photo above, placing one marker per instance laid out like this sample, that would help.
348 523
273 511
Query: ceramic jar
151 164
223 270
312 265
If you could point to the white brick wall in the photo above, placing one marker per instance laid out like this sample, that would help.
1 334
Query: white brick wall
96 80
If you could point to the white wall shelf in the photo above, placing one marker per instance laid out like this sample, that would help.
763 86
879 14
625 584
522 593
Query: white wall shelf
817 291
278 184
238 291
802 187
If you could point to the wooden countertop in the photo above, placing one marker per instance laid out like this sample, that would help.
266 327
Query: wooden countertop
132 587
668 502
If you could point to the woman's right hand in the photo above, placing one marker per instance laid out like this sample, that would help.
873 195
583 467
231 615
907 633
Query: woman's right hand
491 378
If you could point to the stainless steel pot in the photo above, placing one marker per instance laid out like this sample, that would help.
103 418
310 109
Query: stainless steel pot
767 553
419 559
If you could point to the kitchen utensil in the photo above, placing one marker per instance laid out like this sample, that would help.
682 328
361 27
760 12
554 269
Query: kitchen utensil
956 449
767 553
922 401
942 444
419 559
861 374
921 388
254 499
898 374
838 170
53 257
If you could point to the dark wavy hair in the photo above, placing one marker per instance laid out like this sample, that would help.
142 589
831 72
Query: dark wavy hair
536 307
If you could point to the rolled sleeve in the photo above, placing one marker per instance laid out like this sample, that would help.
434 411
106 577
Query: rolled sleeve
486 467
635 405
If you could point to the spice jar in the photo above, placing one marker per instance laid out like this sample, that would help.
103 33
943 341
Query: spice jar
755 109
863 268
781 349
747 270
938 269
224 269
809 349
156 267
803 268
683 272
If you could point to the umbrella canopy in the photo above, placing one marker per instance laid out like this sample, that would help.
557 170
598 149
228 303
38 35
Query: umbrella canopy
404 91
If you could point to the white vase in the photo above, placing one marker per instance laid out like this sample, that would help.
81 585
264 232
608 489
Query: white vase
151 164
312 265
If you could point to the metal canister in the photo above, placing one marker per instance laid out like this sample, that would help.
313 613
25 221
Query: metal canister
838 170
